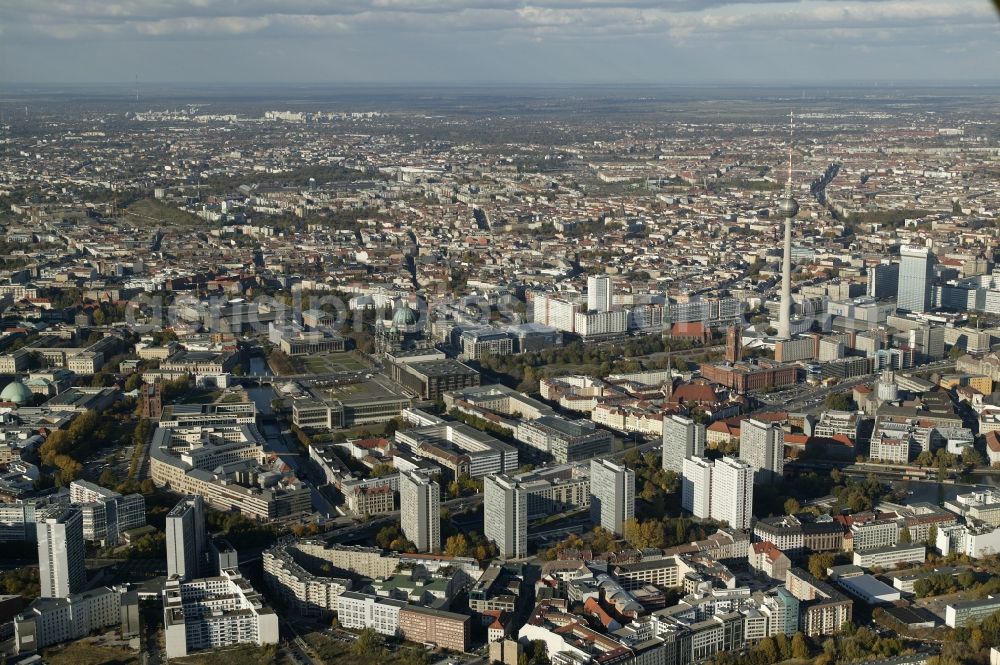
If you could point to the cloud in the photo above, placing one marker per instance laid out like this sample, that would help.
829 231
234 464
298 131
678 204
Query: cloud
65 19
442 38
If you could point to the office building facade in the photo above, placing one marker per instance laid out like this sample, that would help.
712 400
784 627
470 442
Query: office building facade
696 487
599 294
762 446
505 515
213 613
50 621
732 492
61 553
420 507
682 438
721 490
186 539
612 495
916 274
106 514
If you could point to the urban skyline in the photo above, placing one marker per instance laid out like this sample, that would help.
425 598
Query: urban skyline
443 374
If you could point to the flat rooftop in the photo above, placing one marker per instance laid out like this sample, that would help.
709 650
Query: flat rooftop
376 389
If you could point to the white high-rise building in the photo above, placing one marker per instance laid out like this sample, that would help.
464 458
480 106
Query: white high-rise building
732 492
215 612
361 610
106 514
682 438
552 310
916 276
420 510
505 515
612 495
61 553
762 445
696 487
52 620
599 294
186 539
720 490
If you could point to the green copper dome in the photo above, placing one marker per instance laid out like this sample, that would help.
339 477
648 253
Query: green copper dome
16 392
404 316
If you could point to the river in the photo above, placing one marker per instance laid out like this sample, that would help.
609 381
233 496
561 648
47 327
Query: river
262 396
258 367
280 442
933 492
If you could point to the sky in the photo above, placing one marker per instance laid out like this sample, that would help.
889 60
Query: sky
498 41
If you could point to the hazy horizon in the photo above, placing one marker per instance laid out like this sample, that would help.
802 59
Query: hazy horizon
503 42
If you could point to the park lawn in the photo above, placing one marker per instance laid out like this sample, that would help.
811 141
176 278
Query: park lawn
200 396
85 652
314 364
245 654
334 652
330 651
329 363
150 212
349 361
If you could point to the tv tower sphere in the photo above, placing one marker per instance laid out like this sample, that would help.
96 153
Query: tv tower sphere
788 206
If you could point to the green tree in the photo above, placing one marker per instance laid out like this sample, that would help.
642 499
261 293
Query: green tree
23 582
838 402
133 382
386 535
602 541
539 653
402 544
640 535
971 457
819 562
800 648
784 646
934 585
768 650
944 458
108 478
368 644
382 469
792 506
456 545
529 383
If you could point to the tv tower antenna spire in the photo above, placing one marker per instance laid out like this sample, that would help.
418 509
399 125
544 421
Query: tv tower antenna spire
789 208
791 142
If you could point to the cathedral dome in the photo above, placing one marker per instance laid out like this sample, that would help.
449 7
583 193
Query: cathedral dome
404 316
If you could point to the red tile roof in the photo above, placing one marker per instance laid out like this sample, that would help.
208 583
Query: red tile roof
993 441
694 392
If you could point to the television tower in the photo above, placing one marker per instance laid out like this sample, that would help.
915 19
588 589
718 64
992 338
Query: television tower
789 208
